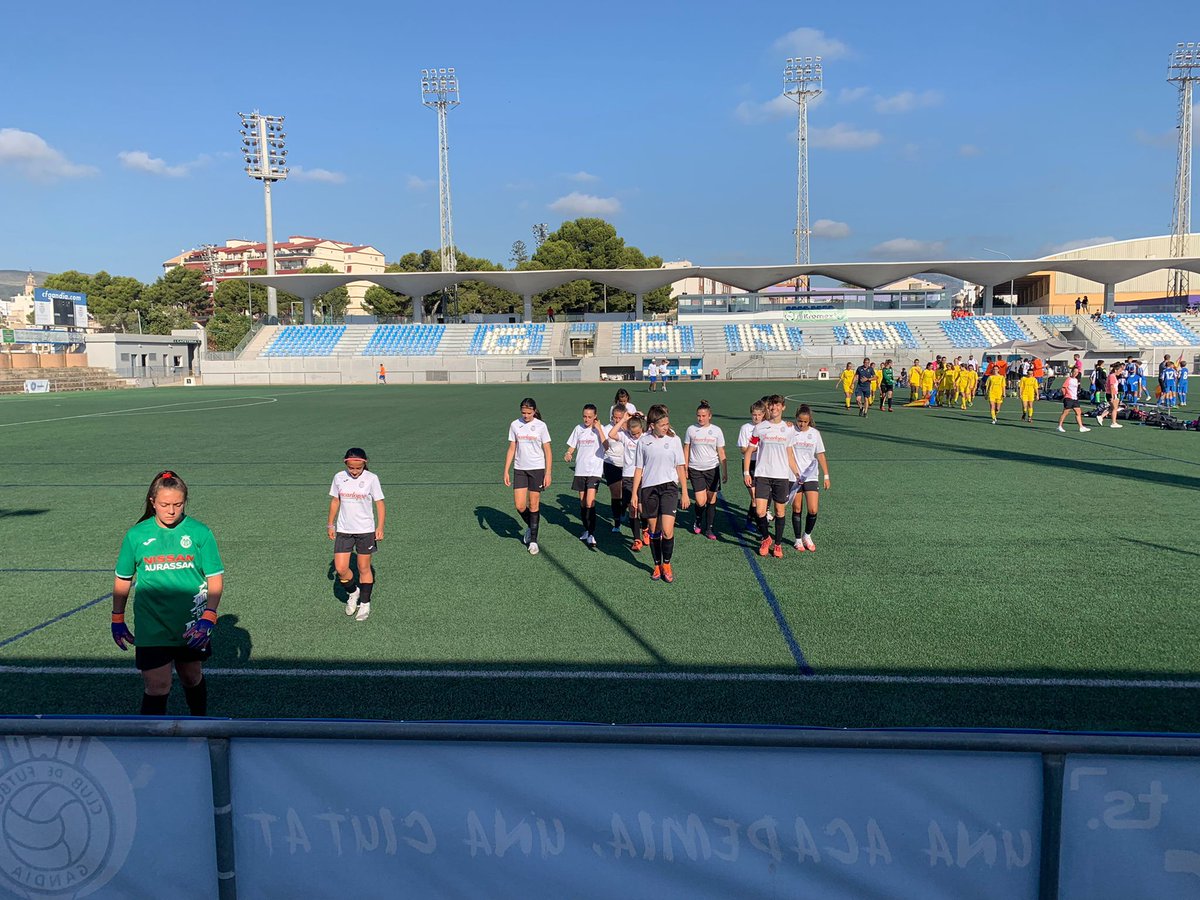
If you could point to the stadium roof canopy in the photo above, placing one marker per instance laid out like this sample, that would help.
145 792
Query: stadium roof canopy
869 275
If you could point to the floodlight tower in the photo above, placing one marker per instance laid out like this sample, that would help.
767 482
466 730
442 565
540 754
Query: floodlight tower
802 81
1184 70
266 161
439 90
208 254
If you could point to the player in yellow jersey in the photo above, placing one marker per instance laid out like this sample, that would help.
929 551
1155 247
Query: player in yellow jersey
946 385
914 382
875 382
927 382
995 392
1027 388
962 383
847 380
972 385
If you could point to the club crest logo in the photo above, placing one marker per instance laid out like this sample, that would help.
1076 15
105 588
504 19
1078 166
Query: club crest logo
186 541
67 816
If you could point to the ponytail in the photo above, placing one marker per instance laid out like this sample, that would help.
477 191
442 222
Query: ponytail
164 479
532 404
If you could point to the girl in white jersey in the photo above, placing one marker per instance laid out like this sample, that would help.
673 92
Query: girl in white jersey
591 442
352 527
614 463
758 411
809 450
622 396
660 487
529 450
627 431
704 457
774 472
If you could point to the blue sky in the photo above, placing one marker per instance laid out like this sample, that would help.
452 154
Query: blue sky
945 128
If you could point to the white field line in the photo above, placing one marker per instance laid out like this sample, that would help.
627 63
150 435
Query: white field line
153 410
603 675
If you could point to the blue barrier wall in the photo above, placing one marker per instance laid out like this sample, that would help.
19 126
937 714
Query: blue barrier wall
360 809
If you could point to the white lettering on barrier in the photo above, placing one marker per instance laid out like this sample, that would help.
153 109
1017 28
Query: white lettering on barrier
967 849
420 838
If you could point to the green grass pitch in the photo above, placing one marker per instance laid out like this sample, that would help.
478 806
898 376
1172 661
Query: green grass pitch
966 575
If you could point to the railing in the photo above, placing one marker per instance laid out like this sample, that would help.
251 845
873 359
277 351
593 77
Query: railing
227 355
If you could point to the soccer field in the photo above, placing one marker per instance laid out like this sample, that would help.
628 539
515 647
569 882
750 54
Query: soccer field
966 575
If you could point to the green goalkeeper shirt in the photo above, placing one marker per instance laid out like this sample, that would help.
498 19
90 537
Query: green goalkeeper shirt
171 567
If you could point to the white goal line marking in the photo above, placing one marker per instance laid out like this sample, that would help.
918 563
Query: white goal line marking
602 675
231 403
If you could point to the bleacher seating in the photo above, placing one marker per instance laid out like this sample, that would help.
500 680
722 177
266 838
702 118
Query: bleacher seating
582 329
981 331
404 340
656 337
305 340
876 334
1150 330
519 339
763 338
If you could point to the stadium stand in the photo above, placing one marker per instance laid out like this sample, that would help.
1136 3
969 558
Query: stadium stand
1154 330
876 334
1055 322
306 340
520 339
656 337
763 338
583 329
978 331
404 340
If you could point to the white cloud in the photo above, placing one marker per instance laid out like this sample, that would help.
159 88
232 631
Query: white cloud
416 183
908 248
1161 139
849 95
844 137
907 101
141 161
810 42
828 228
750 112
1052 249
584 177
578 204
324 176
970 150
34 158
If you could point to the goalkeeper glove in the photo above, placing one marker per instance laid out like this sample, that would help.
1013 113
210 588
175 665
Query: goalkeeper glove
120 631
200 633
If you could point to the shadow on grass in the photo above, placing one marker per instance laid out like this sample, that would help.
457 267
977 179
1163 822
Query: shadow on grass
21 513
1075 466
339 592
232 645
661 694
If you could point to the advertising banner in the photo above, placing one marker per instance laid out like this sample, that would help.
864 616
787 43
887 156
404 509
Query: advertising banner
37 386
51 307
106 818
1130 827
500 820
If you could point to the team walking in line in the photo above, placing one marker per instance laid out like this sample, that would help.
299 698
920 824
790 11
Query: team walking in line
653 474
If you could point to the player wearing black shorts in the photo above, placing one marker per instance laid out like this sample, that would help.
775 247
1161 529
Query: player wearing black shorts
774 474
660 487
704 457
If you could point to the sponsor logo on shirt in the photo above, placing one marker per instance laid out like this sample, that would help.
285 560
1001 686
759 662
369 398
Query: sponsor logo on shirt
168 561
149 542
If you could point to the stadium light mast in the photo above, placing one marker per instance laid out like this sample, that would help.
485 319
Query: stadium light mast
1184 70
802 81
439 91
266 161
208 254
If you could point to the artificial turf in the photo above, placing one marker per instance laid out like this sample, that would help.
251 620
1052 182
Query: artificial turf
948 549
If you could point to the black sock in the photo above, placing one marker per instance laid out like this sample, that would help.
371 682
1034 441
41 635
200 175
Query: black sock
656 548
796 525
535 519
699 523
763 528
617 510
583 516
810 523
668 550
347 586
779 520
365 595
525 516
197 697
709 515
592 518
153 705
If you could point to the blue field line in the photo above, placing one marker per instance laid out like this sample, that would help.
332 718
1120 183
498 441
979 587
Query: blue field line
772 601
28 631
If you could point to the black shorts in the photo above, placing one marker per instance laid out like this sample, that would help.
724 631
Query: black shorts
612 473
585 482
774 489
809 487
627 486
529 480
154 657
707 480
863 390
362 544
659 500
1070 404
